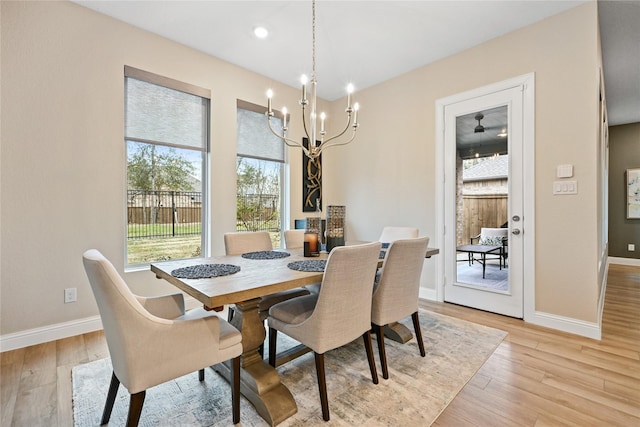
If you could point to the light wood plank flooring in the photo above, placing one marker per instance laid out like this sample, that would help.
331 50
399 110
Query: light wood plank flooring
536 377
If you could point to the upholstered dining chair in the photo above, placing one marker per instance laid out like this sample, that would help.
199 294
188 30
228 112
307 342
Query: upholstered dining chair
238 243
391 234
294 239
395 295
152 340
336 316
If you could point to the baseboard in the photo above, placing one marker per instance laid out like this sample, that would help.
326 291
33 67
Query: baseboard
49 333
567 324
428 294
624 261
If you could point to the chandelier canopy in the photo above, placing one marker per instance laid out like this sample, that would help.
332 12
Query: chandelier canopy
317 141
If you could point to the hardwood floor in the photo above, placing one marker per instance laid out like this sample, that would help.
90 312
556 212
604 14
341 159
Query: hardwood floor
537 376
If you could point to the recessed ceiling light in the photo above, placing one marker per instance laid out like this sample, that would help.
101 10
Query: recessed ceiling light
261 32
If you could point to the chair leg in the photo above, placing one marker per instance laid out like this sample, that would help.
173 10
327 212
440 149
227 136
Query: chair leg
235 389
372 363
322 385
135 408
111 398
418 331
379 330
230 313
273 337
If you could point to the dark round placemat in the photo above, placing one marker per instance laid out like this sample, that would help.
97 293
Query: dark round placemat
205 271
311 266
266 255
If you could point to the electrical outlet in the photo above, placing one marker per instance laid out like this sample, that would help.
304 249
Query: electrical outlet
631 247
70 295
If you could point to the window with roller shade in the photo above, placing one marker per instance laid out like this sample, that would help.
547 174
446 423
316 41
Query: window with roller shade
260 170
167 145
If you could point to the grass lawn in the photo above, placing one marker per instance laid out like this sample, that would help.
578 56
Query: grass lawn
142 251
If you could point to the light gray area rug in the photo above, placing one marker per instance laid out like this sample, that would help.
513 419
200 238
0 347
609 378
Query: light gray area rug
495 278
417 391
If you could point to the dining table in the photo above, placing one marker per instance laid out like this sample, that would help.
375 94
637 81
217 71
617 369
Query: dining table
243 280
259 381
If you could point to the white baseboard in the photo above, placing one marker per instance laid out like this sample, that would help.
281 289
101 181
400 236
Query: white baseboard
428 294
567 324
624 261
49 333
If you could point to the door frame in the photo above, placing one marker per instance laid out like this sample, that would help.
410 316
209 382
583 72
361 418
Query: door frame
527 83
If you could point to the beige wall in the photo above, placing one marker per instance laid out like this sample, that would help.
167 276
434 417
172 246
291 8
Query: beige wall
62 146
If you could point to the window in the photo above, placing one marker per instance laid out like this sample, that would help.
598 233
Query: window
260 171
167 142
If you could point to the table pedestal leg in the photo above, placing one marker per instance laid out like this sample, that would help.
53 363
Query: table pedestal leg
259 382
397 332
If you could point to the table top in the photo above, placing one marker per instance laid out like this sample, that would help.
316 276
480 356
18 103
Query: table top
256 278
478 248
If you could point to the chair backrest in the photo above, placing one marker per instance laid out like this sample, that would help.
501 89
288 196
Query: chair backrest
493 236
294 239
343 309
391 234
396 294
122 314
238 243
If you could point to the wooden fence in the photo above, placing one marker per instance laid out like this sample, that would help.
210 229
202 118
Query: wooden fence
481 211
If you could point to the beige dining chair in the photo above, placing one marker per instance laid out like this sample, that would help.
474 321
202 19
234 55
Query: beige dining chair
238 243
294 239
391 234
152 340
395 295
336 316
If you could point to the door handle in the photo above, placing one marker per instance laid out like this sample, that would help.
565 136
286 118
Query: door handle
515 231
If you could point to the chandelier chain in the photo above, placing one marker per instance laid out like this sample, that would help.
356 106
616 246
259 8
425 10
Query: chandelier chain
313 40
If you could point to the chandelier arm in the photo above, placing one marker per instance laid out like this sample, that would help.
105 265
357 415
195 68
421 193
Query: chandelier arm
341 133
287 141
335 144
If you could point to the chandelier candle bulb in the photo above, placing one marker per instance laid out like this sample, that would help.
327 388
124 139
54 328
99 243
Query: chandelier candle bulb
349 92
322 117
304 81
269 96
356 107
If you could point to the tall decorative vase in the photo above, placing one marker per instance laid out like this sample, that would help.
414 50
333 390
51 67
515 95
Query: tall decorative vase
335 226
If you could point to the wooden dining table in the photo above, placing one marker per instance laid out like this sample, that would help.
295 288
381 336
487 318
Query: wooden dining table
259 382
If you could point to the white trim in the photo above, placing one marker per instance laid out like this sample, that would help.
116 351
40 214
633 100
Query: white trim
603 291
49 333
527 82
428 294
567 324
624 261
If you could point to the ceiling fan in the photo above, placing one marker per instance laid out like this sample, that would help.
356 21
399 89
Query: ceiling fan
479 128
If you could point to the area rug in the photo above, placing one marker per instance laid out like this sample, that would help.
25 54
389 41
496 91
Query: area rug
417 391
495 278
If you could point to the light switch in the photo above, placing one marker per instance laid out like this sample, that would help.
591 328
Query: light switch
564 171
565 187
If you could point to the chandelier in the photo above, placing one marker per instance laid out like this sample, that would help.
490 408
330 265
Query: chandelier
309 118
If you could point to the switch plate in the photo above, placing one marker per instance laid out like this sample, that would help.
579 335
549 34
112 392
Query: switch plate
631 247
70 295
564 171
565 187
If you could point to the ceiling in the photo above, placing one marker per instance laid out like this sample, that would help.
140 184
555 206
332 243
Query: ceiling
368 42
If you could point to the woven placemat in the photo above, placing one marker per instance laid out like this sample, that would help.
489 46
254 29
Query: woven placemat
205 271
311 266
266 255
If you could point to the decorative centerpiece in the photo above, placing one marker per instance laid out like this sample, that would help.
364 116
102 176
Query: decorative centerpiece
335 226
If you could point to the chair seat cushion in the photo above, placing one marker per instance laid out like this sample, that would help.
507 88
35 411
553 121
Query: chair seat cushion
229 336
295 310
